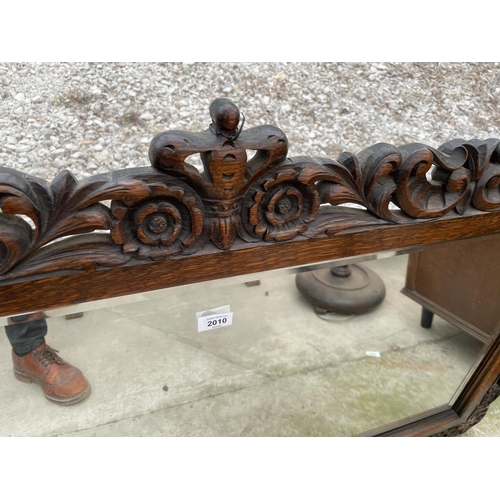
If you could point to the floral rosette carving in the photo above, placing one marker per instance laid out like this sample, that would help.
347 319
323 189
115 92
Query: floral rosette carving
159 227
172 208
281 206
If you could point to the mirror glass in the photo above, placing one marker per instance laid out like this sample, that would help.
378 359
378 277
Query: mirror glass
275 365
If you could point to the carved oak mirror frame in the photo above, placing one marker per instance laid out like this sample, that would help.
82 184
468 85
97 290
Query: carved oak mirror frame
169 224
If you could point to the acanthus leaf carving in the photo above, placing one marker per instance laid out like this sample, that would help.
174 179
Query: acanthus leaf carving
68 208
79 253
172 208
364 179
420 198
16 241
485 165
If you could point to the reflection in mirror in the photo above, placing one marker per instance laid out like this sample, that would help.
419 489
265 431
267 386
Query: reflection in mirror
280 368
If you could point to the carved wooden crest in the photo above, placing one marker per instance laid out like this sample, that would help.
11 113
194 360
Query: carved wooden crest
248 191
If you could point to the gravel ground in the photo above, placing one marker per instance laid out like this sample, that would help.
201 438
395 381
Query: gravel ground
92 118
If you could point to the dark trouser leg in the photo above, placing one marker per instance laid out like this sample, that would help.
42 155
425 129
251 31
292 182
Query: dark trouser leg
24 337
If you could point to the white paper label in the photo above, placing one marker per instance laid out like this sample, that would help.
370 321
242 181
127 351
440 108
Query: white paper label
214 321
215 310
374 354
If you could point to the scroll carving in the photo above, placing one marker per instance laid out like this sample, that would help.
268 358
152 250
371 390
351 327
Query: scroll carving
476 416
172 208
227 171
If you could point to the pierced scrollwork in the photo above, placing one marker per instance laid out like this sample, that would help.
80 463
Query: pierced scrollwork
65 208
173 208
55 210
484 165
366 179
448 189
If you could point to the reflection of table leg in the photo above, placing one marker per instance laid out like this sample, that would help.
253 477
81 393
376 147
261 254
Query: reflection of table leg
426 319
353 289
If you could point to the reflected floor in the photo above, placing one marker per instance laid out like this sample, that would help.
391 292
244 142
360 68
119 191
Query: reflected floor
279 370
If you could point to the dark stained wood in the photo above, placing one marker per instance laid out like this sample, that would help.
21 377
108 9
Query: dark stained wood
422 424
482 389
449 286
485 377
476 416
94 284
172 209
169 224
468 409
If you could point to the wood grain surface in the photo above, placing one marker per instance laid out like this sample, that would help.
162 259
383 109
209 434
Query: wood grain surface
249 209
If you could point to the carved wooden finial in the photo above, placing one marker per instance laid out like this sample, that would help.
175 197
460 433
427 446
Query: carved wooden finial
225 117
227 173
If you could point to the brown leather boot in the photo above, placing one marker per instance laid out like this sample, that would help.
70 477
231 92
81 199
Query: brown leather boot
61 382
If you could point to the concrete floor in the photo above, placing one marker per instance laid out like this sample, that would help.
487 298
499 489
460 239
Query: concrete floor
279 370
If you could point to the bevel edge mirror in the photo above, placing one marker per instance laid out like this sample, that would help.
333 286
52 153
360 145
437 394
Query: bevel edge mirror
170 225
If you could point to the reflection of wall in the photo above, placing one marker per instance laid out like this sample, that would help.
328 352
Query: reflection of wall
465 289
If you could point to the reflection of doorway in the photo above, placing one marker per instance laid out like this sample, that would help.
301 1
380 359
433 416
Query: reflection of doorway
459 281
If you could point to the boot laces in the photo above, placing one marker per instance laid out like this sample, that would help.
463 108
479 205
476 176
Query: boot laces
47 356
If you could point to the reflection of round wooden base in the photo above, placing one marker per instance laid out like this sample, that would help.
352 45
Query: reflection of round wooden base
353 289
